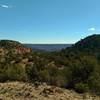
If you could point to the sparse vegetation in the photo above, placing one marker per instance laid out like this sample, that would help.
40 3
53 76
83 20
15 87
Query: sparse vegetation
77 67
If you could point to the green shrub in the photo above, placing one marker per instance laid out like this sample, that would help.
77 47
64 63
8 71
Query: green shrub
12 73
16 72
3 75
32 72
94 83
44 76
81 87
81 71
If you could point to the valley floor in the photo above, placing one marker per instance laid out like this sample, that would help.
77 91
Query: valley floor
28 91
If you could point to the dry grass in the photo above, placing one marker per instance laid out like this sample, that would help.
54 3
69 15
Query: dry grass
28 91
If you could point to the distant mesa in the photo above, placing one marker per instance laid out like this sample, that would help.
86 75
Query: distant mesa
48 47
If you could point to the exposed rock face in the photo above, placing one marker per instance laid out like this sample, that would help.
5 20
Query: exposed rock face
27 91
23 50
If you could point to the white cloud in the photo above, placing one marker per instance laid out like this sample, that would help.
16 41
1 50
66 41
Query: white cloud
5 6
91 29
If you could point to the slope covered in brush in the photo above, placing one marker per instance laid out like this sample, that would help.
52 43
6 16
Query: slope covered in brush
10 44
90 43
76 67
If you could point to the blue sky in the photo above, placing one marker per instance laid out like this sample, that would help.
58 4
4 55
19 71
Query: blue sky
49 21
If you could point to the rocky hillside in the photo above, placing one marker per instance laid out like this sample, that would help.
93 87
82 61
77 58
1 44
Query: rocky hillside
12 46
28 91
72 68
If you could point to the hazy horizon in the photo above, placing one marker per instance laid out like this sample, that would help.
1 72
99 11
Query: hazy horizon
35 43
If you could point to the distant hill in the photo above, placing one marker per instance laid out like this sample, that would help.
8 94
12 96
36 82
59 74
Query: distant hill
48 47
